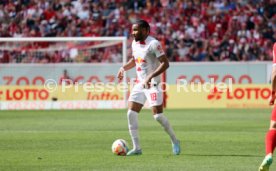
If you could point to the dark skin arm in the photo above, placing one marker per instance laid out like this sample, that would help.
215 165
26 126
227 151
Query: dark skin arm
164 65
130 64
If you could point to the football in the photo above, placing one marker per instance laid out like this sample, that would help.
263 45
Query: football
119 147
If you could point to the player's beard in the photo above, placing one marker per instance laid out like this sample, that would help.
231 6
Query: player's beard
138 37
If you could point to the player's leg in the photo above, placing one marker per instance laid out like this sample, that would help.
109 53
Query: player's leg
164 122
155 98
270 143
132 116
136 101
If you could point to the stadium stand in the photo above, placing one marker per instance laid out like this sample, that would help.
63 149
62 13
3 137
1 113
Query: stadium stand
219 30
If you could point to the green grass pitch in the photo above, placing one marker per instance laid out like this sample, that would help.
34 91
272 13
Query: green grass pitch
211 140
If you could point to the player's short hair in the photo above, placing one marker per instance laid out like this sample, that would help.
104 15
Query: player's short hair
143 24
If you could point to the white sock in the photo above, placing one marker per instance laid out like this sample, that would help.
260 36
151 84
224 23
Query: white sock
269 155
132 117
166 125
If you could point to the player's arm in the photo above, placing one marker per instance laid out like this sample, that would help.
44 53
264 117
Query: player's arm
273 83
164 62
164 65
130 64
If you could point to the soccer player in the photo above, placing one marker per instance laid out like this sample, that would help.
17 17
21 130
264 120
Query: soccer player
271 134
150 61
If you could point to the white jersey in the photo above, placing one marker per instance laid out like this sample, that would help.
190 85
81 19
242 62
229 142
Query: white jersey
146 56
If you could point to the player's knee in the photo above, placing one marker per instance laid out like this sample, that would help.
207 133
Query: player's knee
135 106
273 125
157 109
154 111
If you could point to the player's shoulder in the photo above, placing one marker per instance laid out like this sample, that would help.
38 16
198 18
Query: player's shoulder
274 46
152 42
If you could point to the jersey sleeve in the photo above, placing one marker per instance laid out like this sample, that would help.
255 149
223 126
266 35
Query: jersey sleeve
157 49
274 54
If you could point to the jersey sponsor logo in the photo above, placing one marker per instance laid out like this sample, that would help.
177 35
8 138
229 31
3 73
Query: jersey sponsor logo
140 60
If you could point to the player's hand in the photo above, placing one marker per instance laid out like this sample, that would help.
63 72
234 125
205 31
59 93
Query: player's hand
272 98
120 74
147 83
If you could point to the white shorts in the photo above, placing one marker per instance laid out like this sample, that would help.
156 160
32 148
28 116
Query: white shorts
140 95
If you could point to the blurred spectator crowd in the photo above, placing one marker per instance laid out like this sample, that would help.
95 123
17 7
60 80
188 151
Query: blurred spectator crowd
190 30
